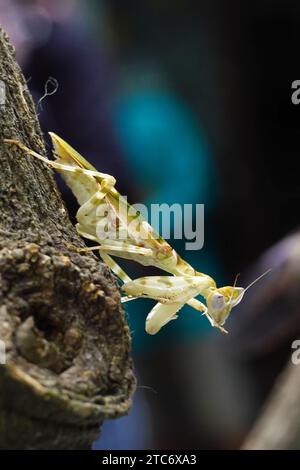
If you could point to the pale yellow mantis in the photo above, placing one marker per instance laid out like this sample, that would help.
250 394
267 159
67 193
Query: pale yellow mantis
100 203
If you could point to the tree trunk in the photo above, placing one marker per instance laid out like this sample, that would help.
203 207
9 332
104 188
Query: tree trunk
66 340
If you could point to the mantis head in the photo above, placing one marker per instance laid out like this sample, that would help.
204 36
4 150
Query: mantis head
220 301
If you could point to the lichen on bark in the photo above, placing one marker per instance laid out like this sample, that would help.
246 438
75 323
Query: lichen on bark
67 342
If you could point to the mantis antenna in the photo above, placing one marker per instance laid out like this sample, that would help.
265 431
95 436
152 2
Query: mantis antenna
234 285
258 279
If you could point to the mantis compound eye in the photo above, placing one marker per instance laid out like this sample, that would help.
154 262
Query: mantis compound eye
237 296
217 302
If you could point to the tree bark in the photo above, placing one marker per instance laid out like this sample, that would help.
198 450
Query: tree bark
67 343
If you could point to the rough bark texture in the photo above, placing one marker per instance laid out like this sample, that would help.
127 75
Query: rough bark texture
278 428
67 342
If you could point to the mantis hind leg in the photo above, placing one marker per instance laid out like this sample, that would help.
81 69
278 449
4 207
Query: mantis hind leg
31 152
118 248
109 181
116 269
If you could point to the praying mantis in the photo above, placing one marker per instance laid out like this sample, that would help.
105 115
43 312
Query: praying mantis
102 207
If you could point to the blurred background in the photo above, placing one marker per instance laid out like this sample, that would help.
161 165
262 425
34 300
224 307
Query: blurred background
186 102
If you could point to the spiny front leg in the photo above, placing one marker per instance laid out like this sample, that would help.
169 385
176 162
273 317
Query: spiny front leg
166 289
163 313
169 291
160 315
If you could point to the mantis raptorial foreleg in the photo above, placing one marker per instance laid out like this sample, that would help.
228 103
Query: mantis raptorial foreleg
169 290
194 303
114 249
165 289
197 305
160 315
